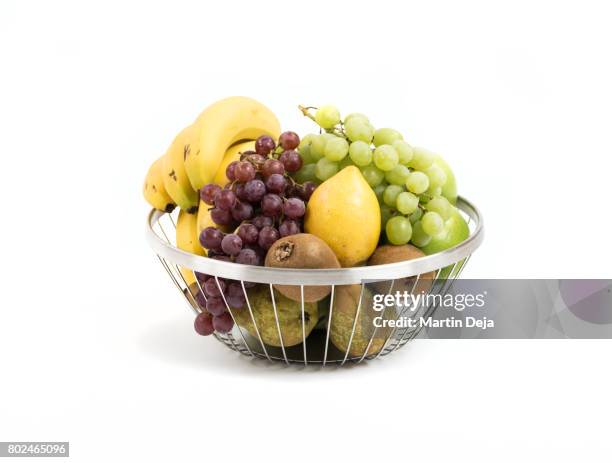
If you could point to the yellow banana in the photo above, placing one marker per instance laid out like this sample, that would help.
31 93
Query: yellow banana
154 190
187 239
173 171
221 125
231 155
204 219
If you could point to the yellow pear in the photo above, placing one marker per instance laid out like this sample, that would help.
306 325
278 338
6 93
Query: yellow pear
344 212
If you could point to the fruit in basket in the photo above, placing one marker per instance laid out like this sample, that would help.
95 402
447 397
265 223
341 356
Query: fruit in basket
455 230
343 211
232 154
388 254
304 251
218 127
174 174
289 317
404 178
348 300
187 240
154 190
262 203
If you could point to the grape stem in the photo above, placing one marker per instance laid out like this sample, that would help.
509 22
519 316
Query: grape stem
306 112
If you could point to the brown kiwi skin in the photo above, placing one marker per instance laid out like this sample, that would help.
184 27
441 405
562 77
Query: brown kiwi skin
388 254
304 251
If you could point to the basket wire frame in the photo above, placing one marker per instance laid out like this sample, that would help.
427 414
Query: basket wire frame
253 345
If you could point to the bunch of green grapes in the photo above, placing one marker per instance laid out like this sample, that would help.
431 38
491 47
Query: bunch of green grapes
406 180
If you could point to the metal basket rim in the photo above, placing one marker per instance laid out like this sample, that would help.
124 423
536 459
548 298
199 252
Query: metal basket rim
343 276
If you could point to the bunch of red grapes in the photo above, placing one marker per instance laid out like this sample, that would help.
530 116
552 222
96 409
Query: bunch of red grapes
266 204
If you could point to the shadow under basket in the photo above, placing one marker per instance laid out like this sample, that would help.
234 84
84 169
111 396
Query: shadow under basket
338 329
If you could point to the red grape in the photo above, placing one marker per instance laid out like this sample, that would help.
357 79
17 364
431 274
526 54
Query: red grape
221 217
203 324
271 205
209 192
262 221
240 190
276 183
249 284
294 208
225 200
307 190
248 233
222 257
215 305
235 296
267 237
288 227
210 238
231 245
244 171
264 145
223 323
291 160
254 190
200 299
201 277
242 211
273 166
212 290
230 171
289 140
248 257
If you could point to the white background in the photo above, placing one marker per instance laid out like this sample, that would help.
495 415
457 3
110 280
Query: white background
97 348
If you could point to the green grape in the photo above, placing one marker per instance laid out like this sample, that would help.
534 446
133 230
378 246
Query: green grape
399 230
385 157
379 190
421 159
398 175
433 191
386 136
419 237
356 116
416 216
325 169
304 148
306 174
406 202
358 129
372 175
360 153
317 147
336 149
432 223
327 116
385 214
345 163
417 182
404 151
391 193
437 177
442 206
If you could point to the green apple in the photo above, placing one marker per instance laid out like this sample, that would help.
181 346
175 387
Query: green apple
456 230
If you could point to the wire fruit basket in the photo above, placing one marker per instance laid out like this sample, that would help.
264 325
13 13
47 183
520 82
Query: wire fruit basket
344 332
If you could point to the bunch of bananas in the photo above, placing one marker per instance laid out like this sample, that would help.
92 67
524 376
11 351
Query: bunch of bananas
199 155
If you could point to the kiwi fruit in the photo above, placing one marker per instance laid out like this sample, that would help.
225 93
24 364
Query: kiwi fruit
388 254
303 251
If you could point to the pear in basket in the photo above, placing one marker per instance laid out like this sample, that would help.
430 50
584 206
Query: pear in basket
289 317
